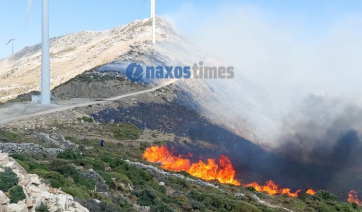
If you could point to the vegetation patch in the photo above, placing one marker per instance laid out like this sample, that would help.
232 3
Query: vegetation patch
8 179
16 194
127 132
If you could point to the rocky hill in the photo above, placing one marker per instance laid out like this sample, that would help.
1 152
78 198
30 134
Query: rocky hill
75 53
37 192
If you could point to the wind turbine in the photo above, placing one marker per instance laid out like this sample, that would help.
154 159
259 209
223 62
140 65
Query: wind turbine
153 16
45 59
12 42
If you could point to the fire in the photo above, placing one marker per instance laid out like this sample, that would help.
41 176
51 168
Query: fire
287 192
272 188
311 192
352 197
223 172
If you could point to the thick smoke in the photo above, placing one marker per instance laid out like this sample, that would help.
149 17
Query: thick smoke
295 78
325 132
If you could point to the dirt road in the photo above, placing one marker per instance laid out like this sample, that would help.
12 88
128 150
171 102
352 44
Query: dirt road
57 108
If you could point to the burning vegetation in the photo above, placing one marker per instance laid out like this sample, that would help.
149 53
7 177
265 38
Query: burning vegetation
222 171
352 197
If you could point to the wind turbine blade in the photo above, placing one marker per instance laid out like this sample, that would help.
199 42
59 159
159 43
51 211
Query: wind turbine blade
30 2
9 41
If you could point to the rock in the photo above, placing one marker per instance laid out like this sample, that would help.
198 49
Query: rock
25 147
62 201
20 207
239 195
36 193
10 164
46 195
46 138
3 199
4 158
34 179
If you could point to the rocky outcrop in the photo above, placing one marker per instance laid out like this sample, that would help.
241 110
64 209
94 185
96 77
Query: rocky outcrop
36 192
12 148
101 186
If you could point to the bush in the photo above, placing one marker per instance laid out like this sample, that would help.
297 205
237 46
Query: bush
76 192
146 197
69 154
326 195
87 119
8 179
250 188
127 132
139 176
16 194
98 165
42 208
179 181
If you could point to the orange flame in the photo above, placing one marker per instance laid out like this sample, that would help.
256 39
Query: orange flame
287 192
272 188
352 197
224 172
311 192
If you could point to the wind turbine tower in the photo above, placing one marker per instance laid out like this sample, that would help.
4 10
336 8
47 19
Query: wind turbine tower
45 59
153 17
12 43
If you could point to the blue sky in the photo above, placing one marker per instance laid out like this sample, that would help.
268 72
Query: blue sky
67 16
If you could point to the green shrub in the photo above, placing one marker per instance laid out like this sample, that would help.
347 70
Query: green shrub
105 176
16 194
246 207
117 163
7 136
42 208
68 170
326 195
87 119
69 154
8 179
76 192
139 176
106 158
28 162
146 197
98 165
23 164
250 188
56 179
127 132
178 181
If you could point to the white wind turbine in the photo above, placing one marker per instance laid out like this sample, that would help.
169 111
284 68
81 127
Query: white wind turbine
153 16
45 60
12 42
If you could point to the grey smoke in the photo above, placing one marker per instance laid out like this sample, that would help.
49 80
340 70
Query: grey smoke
283 69
324 132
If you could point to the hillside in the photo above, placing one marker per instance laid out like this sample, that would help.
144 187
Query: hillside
74 53
199 120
